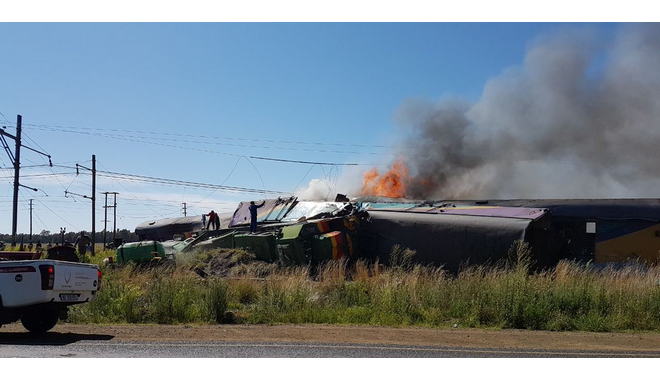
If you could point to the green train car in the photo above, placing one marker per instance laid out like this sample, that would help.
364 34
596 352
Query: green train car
140 252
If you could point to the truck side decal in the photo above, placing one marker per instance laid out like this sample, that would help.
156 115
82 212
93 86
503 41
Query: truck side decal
21 269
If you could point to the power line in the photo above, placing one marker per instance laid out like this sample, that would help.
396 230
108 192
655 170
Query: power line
144 178
151 139
159 180
302 162
56 214
270 141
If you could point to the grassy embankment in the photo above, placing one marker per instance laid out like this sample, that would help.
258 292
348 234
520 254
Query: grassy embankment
568 297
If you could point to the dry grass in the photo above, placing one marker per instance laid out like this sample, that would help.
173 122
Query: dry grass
567 297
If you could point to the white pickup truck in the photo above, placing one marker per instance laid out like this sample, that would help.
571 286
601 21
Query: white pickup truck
39 292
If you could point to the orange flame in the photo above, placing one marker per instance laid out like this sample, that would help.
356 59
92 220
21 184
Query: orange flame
390 184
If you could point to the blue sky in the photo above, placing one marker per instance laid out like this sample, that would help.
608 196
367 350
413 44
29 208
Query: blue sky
194 101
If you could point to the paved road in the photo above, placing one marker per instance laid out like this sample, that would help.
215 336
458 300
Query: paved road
101 346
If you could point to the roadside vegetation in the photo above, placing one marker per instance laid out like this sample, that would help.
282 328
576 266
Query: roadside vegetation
227 286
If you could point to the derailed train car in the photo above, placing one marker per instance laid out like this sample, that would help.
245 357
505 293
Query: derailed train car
452 235
443 233
165 229
291 232
600 230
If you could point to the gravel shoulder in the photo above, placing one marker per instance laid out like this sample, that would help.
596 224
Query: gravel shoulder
351 334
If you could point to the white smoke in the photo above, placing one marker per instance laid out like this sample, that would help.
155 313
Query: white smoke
316 190
335 183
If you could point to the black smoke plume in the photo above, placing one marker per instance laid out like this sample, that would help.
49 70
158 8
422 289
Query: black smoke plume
580 118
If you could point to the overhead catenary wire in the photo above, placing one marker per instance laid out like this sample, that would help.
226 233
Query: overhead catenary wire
50 163
120 178
7 120
150 141
226 179
302 161
144 178
56 214
151 138
272 141
131 194
62 198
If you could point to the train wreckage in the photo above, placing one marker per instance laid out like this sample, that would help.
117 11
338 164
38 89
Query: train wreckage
442 233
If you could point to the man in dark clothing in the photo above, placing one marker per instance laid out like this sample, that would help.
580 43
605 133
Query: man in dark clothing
216 221
82 241
253 215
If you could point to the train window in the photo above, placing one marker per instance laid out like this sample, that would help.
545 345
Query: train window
591 227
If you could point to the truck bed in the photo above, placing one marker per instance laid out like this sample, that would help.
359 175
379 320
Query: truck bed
22 282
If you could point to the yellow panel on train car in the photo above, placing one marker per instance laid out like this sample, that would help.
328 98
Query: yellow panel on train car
643 245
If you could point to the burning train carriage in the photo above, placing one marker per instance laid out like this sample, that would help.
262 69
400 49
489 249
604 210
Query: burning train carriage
449 235
443 233
598 230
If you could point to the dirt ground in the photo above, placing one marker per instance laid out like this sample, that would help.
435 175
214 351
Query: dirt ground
458 337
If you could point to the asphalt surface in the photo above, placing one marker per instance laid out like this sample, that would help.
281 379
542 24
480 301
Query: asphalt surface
315 341
20 346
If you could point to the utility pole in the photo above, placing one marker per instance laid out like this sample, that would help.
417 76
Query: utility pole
114 220
106 207
184 209
16 160
31 219
17 165
93 203
105 219
93 198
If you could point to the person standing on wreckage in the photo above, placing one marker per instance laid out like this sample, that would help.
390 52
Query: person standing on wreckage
253 215
214 221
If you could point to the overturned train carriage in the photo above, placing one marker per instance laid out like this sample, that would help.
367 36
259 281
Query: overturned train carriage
453 235
599 230
289 232
166 229
304 242
443 233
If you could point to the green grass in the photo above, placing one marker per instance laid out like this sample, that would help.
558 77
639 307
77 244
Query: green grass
509 295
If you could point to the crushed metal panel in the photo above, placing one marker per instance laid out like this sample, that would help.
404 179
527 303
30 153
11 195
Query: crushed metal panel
272 211
459 209
308 210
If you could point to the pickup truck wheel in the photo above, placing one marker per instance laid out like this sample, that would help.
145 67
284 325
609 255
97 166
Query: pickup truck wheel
41 322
